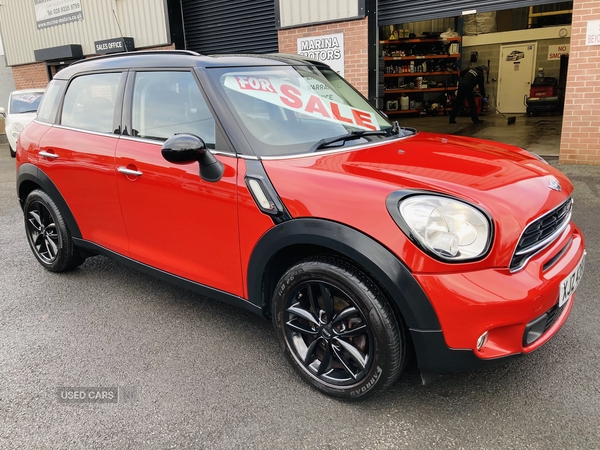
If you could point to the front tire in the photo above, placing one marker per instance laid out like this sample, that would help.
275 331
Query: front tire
48 235
336 329
13 154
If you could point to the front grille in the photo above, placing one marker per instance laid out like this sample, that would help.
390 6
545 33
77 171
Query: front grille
541 233
553 314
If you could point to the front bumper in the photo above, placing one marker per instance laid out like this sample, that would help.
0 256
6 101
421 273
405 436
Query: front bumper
498 302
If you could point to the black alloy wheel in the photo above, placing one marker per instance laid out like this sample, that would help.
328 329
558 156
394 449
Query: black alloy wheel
329 333
48 235
337 329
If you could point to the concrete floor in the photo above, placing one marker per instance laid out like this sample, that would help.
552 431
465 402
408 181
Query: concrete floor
539 134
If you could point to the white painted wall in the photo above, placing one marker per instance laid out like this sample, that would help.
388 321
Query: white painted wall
302 12
144 20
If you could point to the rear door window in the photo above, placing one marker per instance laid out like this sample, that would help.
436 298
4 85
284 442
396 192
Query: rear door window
90 102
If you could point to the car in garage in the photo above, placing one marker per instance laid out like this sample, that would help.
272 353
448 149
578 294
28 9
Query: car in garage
268 182
22 108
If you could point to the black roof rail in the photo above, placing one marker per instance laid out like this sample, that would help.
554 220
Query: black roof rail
142 52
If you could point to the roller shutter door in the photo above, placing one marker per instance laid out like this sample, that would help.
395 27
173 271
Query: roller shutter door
230 26
391 12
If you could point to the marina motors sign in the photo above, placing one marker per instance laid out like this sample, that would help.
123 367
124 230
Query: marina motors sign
328 49
304 100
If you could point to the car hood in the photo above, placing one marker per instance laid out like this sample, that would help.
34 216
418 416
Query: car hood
24 118
512 185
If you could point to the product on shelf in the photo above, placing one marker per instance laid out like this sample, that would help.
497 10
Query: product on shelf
420 72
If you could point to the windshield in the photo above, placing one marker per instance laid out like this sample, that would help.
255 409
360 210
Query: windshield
287 110
25 102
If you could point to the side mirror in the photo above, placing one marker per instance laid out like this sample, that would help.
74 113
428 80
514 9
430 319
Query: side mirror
187 148
2 111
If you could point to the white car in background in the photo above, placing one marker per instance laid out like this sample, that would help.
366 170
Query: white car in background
22 109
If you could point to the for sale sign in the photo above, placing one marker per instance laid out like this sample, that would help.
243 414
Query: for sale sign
300 99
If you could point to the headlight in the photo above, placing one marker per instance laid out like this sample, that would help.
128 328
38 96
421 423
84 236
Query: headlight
447 228
17 126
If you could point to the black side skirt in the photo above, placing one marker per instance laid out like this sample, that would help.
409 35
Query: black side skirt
190 285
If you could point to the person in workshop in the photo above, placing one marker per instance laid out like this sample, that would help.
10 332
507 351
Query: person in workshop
472 77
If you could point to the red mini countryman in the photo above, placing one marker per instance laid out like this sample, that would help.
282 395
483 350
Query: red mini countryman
269 183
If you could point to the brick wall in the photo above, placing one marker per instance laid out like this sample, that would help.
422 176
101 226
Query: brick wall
356 67
30 76
580 140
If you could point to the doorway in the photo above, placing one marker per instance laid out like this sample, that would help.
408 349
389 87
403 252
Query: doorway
516 72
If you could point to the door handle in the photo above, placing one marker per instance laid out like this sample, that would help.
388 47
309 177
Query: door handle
127 171
48 155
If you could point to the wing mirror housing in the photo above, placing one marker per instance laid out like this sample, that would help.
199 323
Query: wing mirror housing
186 148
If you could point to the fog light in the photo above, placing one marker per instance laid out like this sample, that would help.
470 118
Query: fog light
481 341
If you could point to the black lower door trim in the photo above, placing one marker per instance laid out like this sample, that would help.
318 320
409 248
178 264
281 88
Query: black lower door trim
190 285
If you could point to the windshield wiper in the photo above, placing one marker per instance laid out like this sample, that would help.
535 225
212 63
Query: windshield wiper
397 129
324 143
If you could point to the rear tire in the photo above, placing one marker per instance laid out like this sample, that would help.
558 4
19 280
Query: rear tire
12 152
337 330
48 235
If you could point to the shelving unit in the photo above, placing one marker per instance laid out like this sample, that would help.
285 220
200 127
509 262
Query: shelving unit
411 64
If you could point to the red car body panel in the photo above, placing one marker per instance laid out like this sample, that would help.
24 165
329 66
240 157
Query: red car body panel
178 222
253 224
352 184
500 302
85 175
485 295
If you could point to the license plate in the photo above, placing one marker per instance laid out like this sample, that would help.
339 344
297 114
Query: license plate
569 284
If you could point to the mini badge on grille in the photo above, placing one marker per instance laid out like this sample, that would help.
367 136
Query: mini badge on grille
554 184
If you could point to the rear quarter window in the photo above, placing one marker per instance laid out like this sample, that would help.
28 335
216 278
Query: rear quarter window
50 101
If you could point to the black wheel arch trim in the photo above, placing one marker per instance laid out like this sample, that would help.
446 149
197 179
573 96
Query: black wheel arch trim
29 173
378 261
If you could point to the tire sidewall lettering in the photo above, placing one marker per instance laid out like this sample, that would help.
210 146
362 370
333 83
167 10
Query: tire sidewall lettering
366 297
368 385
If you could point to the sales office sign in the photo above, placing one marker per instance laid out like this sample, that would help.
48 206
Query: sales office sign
114 45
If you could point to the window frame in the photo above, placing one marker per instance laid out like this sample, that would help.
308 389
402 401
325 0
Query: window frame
222 145
117 107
